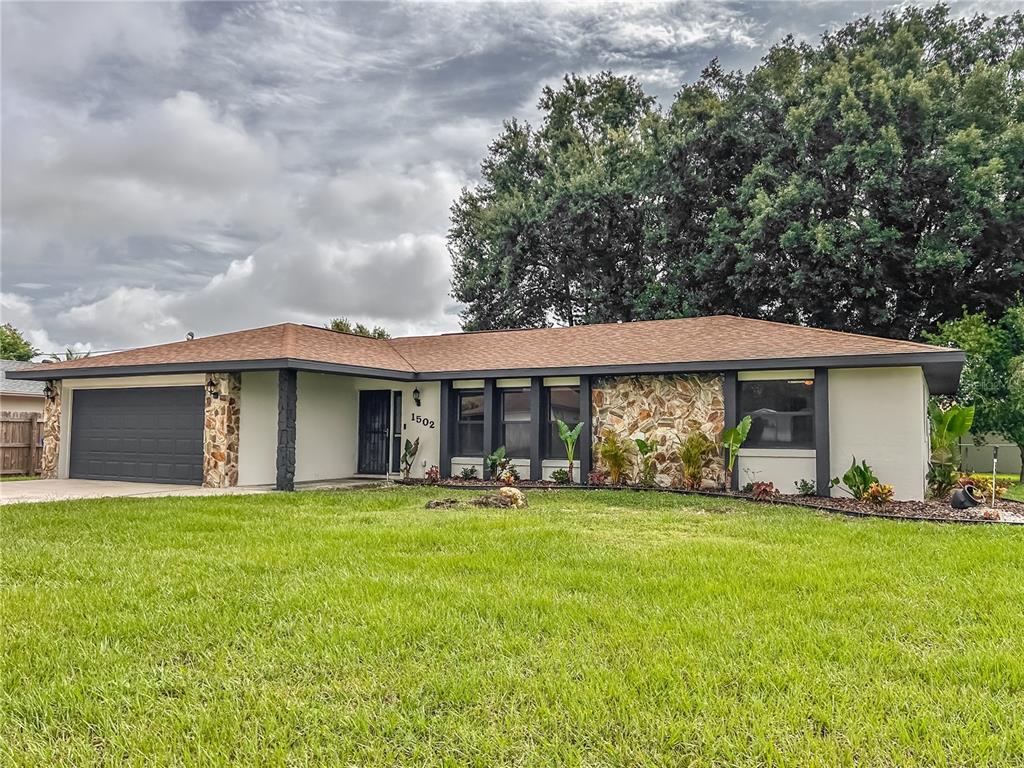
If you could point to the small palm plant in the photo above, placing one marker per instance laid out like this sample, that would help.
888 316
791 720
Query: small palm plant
615 455
569 438
696 453
732 441
646 470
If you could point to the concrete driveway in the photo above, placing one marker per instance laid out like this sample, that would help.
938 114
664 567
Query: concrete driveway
16 492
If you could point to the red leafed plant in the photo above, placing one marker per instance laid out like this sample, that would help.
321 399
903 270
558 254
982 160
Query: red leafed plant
597 477
432 476
761 491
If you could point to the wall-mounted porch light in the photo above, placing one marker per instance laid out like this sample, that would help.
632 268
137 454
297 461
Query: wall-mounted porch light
416 396
212 390
49 391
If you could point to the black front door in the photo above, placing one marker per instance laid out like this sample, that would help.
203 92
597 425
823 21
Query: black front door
374 428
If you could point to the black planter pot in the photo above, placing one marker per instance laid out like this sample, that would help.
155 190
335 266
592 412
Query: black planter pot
966 497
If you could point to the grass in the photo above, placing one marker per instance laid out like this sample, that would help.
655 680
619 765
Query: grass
603 628
17 478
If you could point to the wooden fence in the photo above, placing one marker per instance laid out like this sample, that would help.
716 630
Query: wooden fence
21 443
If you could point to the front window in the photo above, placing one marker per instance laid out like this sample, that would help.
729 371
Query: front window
515 422
470 437
781 413
564 404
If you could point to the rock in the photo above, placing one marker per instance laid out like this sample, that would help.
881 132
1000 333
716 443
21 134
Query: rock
514 496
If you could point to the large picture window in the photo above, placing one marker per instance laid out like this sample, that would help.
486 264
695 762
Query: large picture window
781 413
564 404
515 422
469 440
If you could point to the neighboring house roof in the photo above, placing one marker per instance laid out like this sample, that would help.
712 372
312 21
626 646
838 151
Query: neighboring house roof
721 342
23 387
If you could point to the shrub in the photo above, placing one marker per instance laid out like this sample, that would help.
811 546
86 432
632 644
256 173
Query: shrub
806 487
647 470
432 476
615 455
696 453
509 475
858 478
762 491
569 437
561 476
983 484
947 427
469 473
732 441
597 477
878 493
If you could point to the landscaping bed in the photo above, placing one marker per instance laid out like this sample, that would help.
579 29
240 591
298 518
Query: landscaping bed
933 510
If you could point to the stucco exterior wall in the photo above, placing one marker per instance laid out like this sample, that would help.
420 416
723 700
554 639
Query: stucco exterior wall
257 446
783 467
327 423
879 415
22 403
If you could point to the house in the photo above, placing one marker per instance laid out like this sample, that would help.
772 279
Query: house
16 395
292 403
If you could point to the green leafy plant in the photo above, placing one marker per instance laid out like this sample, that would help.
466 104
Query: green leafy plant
561 476
615 455
806 487
497 462
732 440
696 453
469 473
569 438
948 426
409 452
858 479
647 468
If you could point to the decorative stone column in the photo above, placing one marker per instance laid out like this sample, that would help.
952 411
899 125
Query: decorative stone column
220 430
662 410
51 433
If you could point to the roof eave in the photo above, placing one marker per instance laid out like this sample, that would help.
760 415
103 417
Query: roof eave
942 368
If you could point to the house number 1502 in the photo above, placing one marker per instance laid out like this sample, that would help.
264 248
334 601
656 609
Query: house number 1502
428 423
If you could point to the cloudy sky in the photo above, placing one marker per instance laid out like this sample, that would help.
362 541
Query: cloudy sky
215 166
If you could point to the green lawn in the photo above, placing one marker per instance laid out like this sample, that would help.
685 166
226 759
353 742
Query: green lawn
605 628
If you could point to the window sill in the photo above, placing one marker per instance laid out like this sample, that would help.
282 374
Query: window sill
777 453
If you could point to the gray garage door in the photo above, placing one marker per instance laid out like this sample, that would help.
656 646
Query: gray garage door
150 435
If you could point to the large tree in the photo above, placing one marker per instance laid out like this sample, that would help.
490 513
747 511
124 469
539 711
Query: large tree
555 232
993 376
870 183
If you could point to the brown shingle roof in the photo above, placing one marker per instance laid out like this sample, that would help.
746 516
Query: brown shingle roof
692 340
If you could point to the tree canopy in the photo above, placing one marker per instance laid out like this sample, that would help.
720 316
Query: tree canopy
344 325
872 182
14 346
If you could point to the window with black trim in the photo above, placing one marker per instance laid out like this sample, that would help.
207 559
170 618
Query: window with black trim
564 404
469 437
515 422
781 413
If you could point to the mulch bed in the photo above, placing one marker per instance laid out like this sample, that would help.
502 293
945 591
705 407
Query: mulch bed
931 510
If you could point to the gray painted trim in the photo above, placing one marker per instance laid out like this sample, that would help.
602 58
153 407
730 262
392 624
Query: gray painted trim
822 450
447 428
287 400
538 426
492 415
730 401
941 368
587 414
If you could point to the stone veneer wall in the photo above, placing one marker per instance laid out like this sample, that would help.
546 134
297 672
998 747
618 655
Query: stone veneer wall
51 433
220 431
662 409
